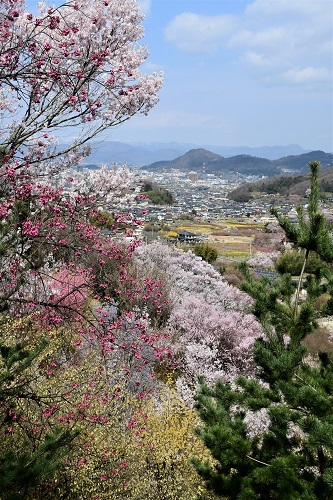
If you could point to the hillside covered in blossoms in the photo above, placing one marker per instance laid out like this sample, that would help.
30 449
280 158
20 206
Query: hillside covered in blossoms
131 369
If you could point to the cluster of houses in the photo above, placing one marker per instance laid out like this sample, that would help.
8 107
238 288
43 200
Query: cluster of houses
206 201
205 198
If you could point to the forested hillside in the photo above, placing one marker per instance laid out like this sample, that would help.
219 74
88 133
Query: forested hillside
284 185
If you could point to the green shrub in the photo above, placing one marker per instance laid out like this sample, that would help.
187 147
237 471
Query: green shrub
206 252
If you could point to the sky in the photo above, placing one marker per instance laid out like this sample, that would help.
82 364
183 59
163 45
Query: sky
238 73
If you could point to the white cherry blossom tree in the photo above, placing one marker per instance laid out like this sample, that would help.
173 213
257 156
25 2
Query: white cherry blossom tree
76 65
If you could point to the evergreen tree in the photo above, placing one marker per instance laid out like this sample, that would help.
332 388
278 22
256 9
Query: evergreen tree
272 437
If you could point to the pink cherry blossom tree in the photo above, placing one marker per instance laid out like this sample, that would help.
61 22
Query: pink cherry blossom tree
64 320
263 260
190 275
75 65
210 322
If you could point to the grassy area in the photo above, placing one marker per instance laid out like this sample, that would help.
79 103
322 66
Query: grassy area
198 227
255 226
231 249
236 254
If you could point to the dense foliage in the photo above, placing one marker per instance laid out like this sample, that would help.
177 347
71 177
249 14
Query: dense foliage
209 322
292 262
207 252
157 194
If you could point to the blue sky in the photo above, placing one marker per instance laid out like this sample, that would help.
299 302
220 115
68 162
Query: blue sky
238 72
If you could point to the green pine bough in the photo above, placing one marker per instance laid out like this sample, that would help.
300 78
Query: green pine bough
272 437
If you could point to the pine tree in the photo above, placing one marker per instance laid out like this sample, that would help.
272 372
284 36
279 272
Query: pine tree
272 437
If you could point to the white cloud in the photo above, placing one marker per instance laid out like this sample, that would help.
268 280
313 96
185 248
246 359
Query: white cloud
195 33
255 59
270 39
289 39
307 75
291 8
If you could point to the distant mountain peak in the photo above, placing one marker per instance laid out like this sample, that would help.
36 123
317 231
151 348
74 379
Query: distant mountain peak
205 161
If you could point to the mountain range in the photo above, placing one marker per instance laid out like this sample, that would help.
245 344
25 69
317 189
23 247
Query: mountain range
140 154
204 161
